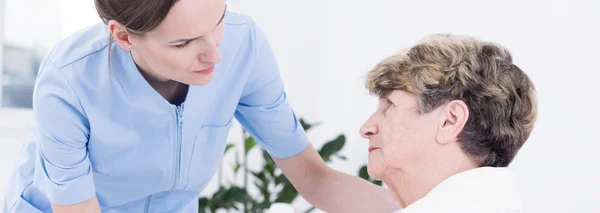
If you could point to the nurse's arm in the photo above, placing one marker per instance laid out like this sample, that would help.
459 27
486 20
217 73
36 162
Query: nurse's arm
63 171
88 206
333 191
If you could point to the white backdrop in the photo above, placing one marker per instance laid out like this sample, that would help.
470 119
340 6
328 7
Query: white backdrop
1 49
325 47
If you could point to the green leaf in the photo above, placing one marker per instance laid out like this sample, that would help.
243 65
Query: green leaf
268 159
270 168
240 195
237 167
341 157
263 187
220 194
250 143
260 207
307 126
259 175
203 203
229 146
310 210
287 195
364 173
332 147
226 198
280 179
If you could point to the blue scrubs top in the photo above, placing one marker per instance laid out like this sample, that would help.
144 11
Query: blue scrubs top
107 132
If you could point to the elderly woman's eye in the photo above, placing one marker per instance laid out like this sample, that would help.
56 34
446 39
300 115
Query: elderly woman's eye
389 106
390 103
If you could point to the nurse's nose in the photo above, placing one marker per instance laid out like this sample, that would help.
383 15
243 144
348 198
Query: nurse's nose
212 53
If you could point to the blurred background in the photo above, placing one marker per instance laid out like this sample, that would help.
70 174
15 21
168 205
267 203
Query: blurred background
324 49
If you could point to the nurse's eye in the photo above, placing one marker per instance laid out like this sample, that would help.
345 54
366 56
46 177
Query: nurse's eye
183 44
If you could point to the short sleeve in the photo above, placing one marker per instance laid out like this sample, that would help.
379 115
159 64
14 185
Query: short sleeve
263 109
63 170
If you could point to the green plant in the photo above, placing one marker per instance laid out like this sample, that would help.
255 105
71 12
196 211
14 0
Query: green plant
364 174
272 185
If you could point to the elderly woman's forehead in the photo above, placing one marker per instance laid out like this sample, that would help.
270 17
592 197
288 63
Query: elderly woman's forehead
400 94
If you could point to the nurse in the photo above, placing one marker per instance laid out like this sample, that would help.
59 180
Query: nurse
132 115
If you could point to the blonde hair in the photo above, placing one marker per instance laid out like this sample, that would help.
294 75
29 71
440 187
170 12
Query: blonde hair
443 67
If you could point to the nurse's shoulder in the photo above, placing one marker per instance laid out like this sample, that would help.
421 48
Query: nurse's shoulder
73 70
242 33
81 45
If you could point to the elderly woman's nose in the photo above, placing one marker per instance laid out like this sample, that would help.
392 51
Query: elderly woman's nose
369 128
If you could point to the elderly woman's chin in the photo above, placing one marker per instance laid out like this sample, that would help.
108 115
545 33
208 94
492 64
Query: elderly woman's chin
376 165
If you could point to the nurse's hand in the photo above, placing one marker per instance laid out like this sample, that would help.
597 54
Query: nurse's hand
88 206
333 191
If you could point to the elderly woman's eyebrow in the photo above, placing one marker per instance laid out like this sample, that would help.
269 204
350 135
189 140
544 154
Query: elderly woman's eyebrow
391 99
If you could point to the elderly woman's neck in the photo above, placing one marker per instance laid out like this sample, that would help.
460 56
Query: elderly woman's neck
415 181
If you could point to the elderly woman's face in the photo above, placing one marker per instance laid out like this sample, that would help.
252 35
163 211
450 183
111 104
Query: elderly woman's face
398 134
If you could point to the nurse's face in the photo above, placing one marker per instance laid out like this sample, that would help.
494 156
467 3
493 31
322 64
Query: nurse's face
184 47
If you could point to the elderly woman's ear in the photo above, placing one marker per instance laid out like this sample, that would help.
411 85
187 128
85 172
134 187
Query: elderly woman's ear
452 119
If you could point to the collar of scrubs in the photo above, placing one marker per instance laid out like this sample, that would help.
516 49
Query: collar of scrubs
139 91
484 189
132 82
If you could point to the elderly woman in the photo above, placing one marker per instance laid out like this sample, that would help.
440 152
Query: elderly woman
453 112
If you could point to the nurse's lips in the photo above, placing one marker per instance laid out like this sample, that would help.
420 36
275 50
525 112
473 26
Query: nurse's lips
373 148
206 71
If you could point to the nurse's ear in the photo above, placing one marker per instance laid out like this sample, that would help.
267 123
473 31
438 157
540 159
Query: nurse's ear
120 34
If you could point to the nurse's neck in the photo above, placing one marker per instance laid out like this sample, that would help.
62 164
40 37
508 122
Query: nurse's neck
172 91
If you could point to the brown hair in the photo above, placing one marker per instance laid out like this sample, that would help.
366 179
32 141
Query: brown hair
442 68
138 16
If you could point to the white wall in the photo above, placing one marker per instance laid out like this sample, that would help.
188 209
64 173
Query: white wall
32 23
13 127
75 14
1 48
326 47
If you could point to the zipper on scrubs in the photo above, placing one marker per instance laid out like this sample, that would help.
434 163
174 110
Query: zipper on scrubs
179 123
147 204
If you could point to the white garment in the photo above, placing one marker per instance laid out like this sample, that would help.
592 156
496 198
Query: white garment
480 190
